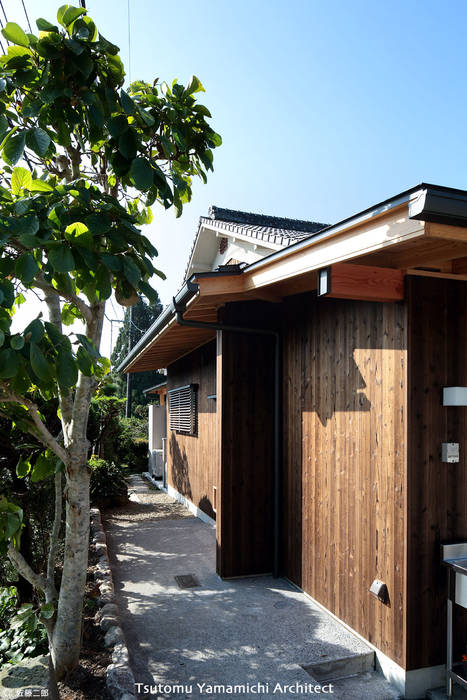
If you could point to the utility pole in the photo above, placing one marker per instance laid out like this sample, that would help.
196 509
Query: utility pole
129 375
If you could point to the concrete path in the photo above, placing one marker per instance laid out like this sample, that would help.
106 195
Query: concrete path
248 631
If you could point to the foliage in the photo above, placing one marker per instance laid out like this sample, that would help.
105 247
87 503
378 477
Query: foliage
143 316
107 480
133 443
21 632
98 156
104 425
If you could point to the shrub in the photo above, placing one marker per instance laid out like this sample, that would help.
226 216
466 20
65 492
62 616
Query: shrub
108 485
133 443
21 632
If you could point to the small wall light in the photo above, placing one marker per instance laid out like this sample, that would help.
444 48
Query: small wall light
324 281
380 591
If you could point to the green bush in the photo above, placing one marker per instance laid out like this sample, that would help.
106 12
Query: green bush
108 485
21 632
132 448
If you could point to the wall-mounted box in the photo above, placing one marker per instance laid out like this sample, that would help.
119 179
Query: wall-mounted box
450 452
455 396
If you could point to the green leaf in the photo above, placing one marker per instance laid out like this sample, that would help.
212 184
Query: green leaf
84 362
131 271
14 147
15 34
13 523
20 179
149 292
62 259
103 285
201 109
67 372
44 467
9 363
113 262
98 223
34 332
127 103
44 26
2 337
118 125
127 144
40 186
57 339
39 364
26 268
17 341
47 611
141 174
88 345
194 85
22 468
70 15
38 140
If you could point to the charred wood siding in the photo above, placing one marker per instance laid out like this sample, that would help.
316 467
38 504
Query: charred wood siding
246 369
192 459
437 492
344 385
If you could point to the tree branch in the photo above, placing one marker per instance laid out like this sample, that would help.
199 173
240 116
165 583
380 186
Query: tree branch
23 568
42 432
81 305
52 300
51 590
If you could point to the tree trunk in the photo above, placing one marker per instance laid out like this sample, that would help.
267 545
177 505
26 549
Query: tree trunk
66 638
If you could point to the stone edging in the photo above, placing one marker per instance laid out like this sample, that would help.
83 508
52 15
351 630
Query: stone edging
119 676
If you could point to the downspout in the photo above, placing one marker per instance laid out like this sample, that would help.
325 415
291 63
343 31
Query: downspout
180 309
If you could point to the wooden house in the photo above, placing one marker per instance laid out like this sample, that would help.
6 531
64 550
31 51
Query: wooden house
305 412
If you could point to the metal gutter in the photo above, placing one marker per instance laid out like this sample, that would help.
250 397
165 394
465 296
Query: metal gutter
180 310
434 203
186 293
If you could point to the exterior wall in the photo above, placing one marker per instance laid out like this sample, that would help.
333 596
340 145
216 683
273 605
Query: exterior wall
344 442
245 519
437 492
192 459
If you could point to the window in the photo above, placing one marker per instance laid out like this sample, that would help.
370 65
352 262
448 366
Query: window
183 409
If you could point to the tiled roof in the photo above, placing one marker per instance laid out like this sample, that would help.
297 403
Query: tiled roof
272 229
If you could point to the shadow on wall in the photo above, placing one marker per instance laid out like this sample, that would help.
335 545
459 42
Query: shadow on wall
181 479
206 506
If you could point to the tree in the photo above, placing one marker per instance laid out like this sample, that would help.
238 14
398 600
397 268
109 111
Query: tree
143 317
98 158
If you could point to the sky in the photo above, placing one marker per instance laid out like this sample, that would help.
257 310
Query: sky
325 108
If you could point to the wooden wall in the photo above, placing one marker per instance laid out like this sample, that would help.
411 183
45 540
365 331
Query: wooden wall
245 518
437 492
344 370
192 460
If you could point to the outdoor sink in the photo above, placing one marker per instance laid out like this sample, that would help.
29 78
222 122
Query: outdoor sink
454 557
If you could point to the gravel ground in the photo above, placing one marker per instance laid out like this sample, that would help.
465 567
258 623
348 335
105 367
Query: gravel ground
146 503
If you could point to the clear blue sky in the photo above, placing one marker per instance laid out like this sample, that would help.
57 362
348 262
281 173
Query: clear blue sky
325 108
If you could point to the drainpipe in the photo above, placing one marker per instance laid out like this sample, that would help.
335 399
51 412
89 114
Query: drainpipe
180 309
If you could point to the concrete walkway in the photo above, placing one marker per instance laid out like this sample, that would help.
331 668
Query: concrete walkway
248 631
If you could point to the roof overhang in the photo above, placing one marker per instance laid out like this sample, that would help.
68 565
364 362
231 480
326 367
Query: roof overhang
424 227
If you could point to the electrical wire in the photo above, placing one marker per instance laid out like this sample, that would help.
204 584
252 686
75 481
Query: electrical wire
27 17
129 40
3 10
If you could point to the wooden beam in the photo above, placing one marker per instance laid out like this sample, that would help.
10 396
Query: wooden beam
440 275
450 233
365 283
344 245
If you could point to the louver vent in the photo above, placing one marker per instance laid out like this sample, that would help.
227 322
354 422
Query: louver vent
182 409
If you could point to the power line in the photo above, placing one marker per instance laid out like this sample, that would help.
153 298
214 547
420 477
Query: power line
27 17
3 10
129 41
